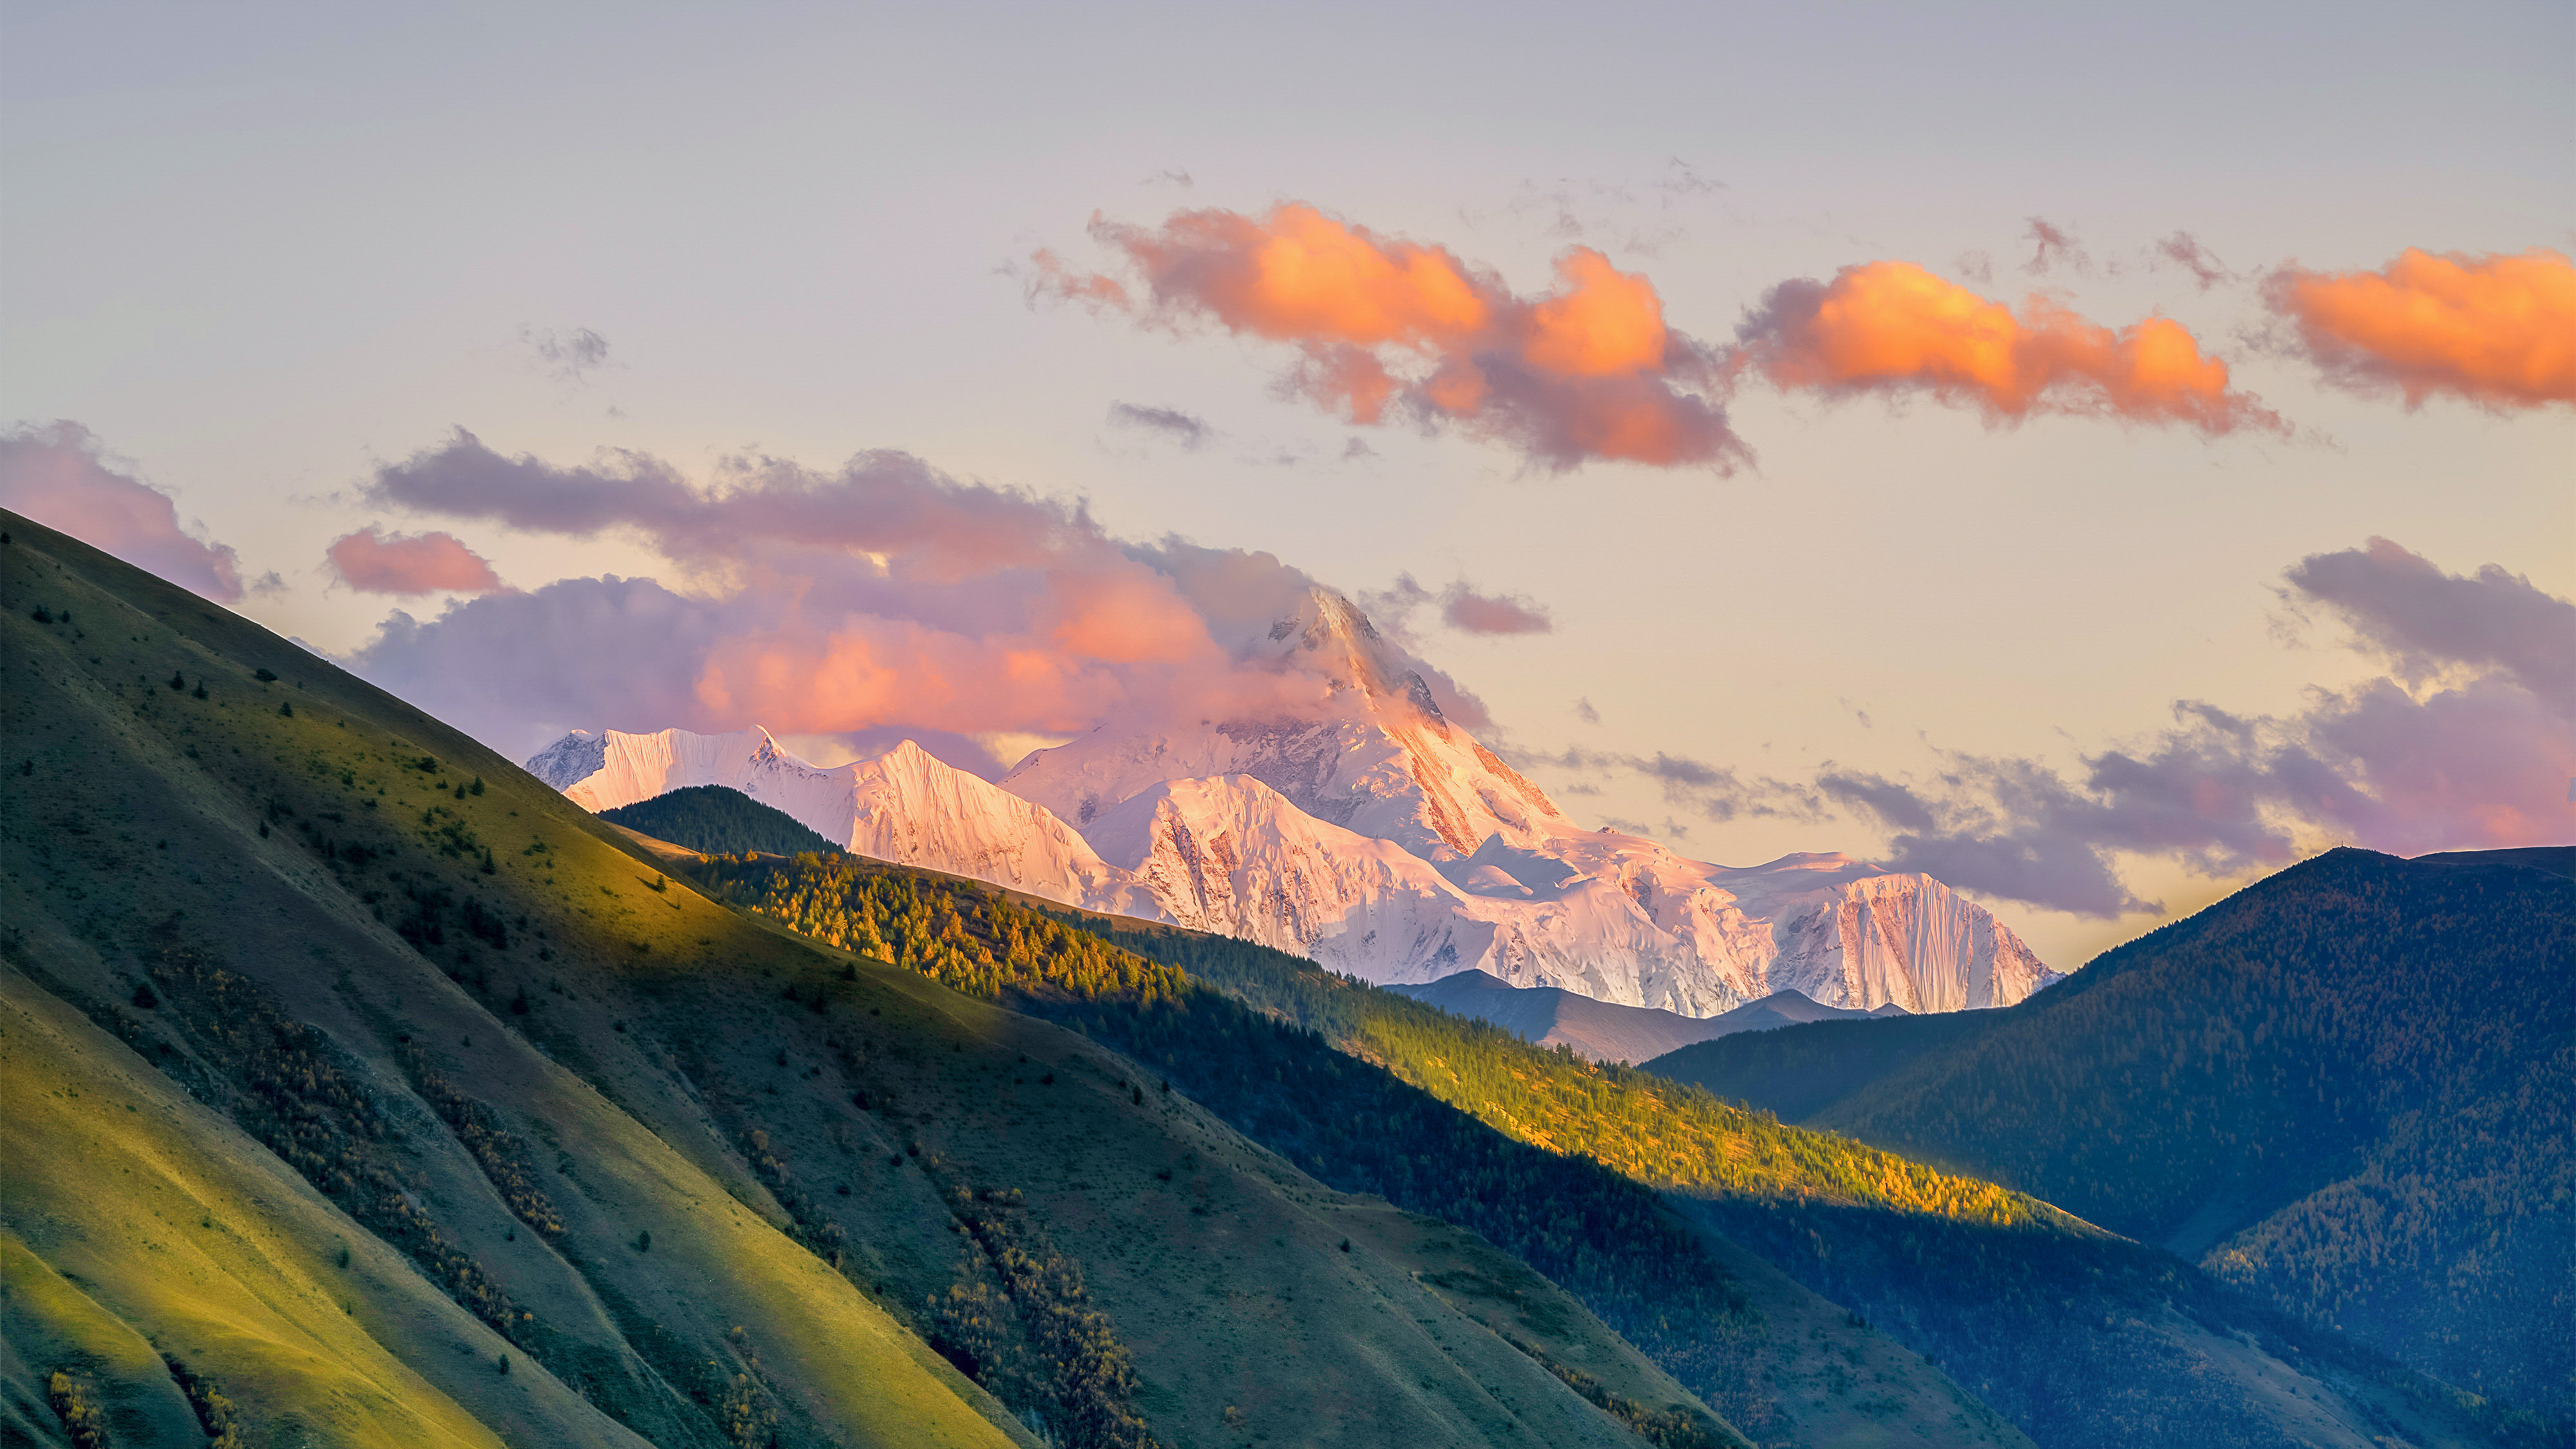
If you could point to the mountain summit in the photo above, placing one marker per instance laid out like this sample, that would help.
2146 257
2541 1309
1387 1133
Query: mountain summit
1376 837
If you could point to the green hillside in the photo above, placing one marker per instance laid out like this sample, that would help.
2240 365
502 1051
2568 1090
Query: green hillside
719 821
361 1090
2081 1337
2349 1088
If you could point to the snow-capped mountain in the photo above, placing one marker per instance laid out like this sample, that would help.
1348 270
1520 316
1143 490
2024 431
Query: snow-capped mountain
1380 840
1386 763
902 805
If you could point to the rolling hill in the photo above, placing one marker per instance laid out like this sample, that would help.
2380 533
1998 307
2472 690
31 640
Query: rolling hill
2349 1088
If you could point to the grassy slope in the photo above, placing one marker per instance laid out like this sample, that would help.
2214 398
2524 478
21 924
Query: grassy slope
624 1042
2348 1087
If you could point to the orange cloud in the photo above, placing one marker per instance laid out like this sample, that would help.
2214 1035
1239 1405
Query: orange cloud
2499 331
1382 325
395 563
1894 327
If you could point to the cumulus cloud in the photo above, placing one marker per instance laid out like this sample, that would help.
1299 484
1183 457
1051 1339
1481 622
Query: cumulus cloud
373 561
882 596
1186 429
2467 743
58 475
1895 329
2498 331
1386 329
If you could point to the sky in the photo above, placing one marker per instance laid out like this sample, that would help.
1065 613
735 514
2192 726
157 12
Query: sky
2094 457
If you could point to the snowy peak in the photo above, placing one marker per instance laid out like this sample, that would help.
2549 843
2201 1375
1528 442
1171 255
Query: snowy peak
1368 844
1328 635
904 805
1387 765
569 760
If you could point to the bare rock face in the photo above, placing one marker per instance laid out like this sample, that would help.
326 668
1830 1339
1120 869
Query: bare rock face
1378 839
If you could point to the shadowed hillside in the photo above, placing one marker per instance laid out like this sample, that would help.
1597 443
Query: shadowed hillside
2349 1088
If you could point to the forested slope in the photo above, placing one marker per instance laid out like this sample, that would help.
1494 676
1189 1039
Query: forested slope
2350 1087
717 820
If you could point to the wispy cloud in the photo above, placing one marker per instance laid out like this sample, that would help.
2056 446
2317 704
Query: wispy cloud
1186 429
572 355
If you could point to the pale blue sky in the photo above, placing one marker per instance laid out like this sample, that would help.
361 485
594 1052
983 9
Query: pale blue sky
258 249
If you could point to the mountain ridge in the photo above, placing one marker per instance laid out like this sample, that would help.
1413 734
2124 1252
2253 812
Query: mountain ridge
1602 1031
2347 1086
1615 917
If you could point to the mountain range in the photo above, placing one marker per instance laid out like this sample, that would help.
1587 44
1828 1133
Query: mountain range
1604 1032
357 1088
1379 839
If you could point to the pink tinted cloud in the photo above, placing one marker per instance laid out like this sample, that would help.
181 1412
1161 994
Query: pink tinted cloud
59 476
1385 328
880 596
2468 744
375 562
1476 613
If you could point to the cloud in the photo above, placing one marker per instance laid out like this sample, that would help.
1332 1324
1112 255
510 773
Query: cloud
58 475
1386 329
884 595
1189 431
1462 607
1584 711
2495 330
1896 329
375 562
2051 246
2467 744
571 356
2184 250
2424 621
1712 792
1471 612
